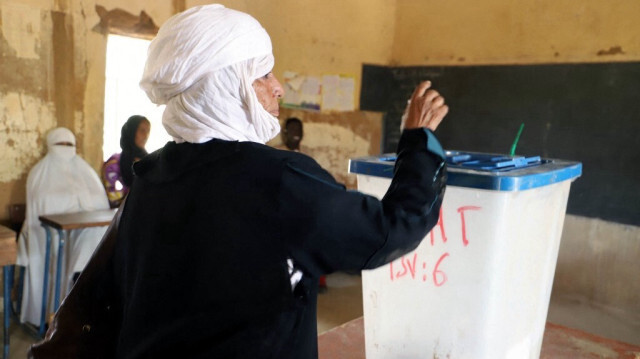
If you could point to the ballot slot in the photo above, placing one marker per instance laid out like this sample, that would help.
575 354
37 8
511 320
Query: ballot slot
490 162
483 161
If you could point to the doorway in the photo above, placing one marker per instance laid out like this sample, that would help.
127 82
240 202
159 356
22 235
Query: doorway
126 57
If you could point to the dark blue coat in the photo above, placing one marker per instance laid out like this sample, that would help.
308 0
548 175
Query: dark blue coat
200 260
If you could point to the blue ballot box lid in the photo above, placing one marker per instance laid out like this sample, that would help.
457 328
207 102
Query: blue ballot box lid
483 170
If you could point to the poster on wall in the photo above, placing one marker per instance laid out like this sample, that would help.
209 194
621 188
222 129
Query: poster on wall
302 91
326 93
337 93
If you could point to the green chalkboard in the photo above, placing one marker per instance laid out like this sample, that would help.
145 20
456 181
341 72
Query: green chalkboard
582 112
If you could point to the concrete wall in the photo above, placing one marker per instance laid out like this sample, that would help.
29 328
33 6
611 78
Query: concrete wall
466 32
324 37
26 96
333 138
599 261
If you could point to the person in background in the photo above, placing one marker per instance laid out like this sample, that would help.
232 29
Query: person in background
222 239
62 182
117 172
292 134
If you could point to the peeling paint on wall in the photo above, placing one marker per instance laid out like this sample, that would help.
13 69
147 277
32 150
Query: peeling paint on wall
78 124
23 120
333 138
331 146
118 21
179 6
65 96
21 29
26 94
29 75
52 74
613 50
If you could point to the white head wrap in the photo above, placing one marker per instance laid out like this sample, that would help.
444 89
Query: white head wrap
59 135
202 65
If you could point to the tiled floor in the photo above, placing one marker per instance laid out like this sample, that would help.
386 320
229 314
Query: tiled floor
343 302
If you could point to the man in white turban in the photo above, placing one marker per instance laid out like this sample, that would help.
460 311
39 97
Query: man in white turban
62 182
222 239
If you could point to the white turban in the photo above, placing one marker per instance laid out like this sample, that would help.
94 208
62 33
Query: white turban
202 65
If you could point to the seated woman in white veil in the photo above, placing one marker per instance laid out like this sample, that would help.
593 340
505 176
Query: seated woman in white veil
62 182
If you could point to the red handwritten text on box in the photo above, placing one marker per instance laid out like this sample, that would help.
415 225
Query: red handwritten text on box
407 266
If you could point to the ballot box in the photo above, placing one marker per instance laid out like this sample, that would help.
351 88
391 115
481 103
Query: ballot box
478 285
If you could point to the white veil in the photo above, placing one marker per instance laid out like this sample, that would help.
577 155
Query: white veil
61 182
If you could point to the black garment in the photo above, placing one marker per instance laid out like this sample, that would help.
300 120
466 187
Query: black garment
129 149
200 259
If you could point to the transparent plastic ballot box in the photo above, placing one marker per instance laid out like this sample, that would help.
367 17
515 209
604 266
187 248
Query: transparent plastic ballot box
478 285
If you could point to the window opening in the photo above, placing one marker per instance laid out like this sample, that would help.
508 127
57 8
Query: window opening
126 57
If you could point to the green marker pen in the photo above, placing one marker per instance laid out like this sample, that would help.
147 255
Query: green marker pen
515 142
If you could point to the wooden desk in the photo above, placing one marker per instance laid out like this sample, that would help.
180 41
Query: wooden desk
78 220
8 246
8 256
64 223
347 342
